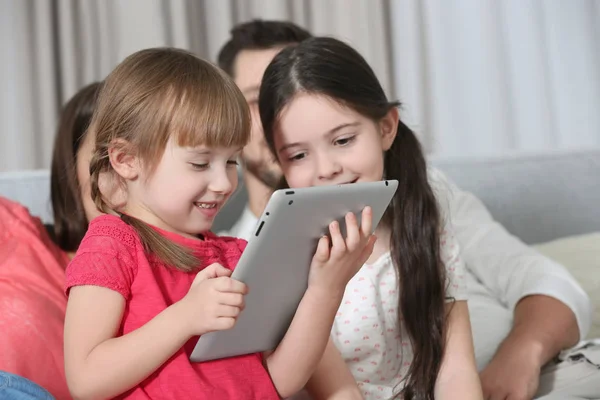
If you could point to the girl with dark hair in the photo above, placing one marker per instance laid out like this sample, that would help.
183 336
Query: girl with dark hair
403 326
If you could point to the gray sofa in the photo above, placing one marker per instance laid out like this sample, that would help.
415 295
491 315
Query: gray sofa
537 197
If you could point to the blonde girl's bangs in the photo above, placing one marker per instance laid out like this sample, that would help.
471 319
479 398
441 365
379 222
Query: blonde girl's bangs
215 116
155 95
164 93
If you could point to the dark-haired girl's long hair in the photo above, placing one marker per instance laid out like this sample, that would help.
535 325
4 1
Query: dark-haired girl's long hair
329 67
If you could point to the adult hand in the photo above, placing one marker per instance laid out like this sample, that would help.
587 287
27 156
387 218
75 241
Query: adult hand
513 373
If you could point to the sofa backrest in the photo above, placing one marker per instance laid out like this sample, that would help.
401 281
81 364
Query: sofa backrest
537 197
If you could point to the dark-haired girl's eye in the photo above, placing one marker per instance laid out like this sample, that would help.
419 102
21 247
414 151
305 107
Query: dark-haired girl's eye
343 141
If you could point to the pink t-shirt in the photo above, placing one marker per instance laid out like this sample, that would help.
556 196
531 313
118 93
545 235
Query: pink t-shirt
112 255
32 302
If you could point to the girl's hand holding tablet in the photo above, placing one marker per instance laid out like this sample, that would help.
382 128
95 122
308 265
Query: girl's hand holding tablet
213 302
338 259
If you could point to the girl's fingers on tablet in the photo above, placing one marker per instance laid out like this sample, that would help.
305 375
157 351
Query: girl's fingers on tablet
214 270
366 222
338 246
223 323
322 252
228 311
352 232
232 299
226 284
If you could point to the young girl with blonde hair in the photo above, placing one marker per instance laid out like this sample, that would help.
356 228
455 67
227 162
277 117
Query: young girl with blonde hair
149 276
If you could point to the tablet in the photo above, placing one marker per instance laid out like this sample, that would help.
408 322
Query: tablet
276 261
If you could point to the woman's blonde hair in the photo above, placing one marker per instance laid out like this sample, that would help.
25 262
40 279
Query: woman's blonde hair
150 96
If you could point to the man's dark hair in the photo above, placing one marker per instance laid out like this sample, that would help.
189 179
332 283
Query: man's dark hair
258 35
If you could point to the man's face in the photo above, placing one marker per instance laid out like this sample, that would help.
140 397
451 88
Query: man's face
249 67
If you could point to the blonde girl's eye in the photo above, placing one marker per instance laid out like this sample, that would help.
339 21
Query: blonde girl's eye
297 157
199 167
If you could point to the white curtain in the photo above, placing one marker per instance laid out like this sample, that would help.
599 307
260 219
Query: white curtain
486 76
475 76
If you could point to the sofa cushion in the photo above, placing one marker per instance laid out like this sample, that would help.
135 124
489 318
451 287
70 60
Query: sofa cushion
581 256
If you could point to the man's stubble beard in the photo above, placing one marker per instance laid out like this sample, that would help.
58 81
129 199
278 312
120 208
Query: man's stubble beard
261 171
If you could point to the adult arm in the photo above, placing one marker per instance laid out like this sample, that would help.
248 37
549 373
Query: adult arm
510 269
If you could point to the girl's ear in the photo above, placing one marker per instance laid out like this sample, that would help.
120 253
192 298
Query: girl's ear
389 127
123 162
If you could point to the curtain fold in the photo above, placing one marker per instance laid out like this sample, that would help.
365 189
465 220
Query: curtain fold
475 76
485 77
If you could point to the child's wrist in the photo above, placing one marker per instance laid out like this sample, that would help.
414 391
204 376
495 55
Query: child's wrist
181 325
325 295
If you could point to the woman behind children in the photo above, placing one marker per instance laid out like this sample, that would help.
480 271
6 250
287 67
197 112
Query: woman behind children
149 276
32 264
403 326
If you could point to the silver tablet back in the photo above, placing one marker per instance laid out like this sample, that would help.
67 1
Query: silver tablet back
276 261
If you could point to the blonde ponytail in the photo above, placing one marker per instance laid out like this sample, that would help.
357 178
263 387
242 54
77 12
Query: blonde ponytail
98 164
167 251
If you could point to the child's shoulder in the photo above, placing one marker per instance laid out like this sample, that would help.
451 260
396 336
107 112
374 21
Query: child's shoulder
107 256
111 227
